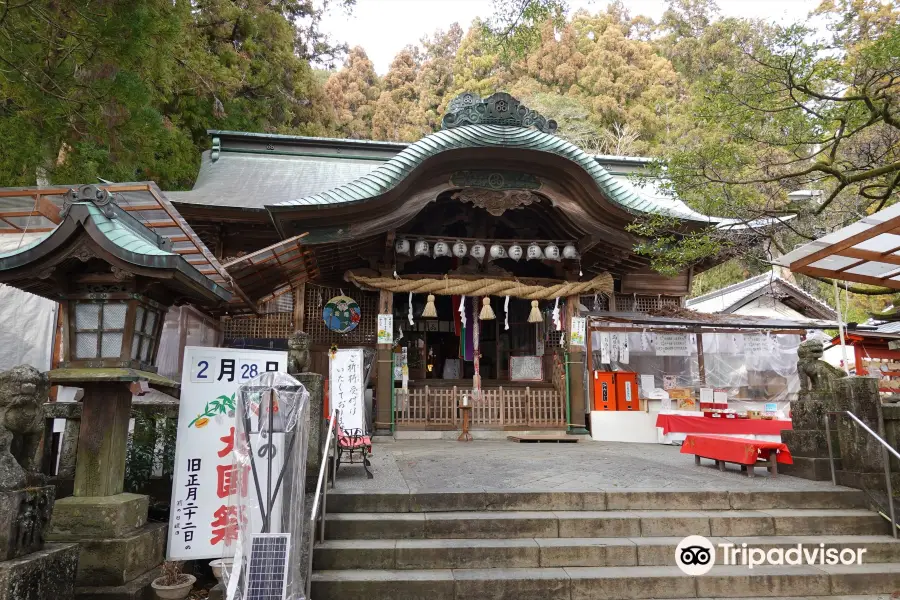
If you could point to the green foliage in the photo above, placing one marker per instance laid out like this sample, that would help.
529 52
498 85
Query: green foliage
142 457
126 90
514 30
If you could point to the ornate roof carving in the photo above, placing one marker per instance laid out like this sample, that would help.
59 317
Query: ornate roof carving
496 109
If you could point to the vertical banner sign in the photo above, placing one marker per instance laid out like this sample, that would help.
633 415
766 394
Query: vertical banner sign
346 388
576 338
204 521
385 329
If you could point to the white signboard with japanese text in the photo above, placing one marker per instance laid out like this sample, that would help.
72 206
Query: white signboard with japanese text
345 388
204 520
672 344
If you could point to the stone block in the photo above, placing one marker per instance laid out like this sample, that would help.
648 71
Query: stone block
490 525
43 575
116 561
809 410
587 552
666 499
666 523
860 451
354 554
136 589
864 578
78 517
761 582
24 519
374 526
598 524
817 469
384 585
589 583
828 522
313 382
537 500
811 442
349 501
467 554
836 498
737 523
521 584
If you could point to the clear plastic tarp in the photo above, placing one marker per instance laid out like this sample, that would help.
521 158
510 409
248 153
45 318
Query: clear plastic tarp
753 369
271 435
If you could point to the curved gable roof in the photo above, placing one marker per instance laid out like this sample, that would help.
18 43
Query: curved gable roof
389 174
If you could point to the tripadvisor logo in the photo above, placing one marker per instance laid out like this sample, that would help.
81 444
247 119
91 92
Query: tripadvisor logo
696 555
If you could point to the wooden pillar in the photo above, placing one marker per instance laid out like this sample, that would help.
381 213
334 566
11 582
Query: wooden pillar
298 290
103 436
576 372
384 372
701 362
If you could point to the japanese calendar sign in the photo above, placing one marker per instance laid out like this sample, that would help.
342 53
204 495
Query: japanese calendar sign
385 329
576 338
204 520
346 389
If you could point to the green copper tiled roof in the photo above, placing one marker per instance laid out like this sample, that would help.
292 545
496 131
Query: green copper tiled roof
115 230
389 174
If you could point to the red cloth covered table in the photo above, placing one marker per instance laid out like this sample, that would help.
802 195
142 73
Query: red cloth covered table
736 450
706 425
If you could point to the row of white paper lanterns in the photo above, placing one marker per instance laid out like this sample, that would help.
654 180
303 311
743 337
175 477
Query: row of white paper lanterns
477 251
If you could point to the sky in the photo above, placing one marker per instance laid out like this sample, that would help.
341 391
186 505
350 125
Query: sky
384 27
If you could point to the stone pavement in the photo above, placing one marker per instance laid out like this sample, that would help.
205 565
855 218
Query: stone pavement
503 465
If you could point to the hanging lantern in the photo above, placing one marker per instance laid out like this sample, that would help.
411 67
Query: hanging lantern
477 252
497 252
551 252
570 252
441 248
535 252
402 247
515 252
459 249
421 248
487 313
430 311
535 315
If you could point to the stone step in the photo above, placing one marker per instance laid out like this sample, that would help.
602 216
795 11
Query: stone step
602 583
348 501
559 552
603 524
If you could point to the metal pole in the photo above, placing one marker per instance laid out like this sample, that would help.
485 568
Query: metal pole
830 451
568 399
837 303
887 474
270 501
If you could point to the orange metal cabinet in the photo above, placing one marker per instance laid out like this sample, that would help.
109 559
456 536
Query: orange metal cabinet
627 397
604 390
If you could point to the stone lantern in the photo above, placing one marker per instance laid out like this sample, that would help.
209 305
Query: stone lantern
114 279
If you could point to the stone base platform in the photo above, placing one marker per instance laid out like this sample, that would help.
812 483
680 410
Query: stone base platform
817 469
41 575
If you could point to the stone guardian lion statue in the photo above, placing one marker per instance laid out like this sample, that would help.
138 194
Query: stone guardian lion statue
298 353
23 391
815 374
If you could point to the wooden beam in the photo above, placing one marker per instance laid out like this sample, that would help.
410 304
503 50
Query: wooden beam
889 226
877 281
47 209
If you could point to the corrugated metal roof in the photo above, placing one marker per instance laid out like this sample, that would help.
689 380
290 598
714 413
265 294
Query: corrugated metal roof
245 180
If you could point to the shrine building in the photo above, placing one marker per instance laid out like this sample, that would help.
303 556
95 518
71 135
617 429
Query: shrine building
477 245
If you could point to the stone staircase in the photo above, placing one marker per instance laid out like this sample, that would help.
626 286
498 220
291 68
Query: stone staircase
592 545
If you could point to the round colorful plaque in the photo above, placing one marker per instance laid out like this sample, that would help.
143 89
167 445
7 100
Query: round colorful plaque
341 314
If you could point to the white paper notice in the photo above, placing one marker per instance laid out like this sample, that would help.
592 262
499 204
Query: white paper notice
672 344
647 385
706 395
720 397
604 347
614 347
624 355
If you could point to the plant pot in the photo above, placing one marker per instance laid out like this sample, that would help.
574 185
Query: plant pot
217 567
173 592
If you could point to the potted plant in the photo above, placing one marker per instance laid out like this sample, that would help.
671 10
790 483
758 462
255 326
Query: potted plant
173 585
220 567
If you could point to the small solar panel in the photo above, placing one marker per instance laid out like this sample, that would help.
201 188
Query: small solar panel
267 567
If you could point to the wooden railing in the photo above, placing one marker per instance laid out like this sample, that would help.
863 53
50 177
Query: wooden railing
498 408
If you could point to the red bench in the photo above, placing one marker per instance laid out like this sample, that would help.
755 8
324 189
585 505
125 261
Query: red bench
745 452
